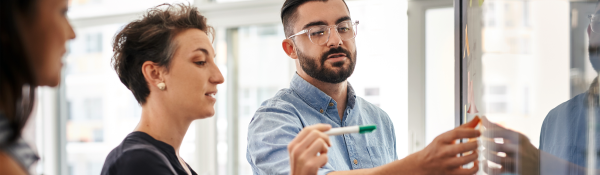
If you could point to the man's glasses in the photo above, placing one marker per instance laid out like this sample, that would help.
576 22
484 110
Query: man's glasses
595 22
320 34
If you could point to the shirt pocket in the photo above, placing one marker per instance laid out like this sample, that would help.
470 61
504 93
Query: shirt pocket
380 155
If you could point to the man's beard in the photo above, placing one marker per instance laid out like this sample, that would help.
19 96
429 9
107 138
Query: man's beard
316 67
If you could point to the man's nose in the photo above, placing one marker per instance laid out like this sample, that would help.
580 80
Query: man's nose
335 40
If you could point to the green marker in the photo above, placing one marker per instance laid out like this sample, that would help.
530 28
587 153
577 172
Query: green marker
351 129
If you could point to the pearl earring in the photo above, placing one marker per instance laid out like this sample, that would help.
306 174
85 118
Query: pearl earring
161 86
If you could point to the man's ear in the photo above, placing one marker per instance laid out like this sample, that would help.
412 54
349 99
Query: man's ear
153 74
289 48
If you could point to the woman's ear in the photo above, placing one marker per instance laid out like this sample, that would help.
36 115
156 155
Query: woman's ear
153 74
289 48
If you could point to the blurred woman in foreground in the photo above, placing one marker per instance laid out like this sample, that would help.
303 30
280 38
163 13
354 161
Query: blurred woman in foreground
33 35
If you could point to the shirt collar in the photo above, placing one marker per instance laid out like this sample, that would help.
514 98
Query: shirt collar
316 98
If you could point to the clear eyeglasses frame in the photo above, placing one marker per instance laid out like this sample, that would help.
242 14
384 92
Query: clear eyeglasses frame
595 22
320 34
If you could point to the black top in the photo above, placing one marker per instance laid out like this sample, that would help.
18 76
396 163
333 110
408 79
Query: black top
139 153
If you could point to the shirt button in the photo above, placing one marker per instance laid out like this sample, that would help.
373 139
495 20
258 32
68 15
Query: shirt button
321 111
355 161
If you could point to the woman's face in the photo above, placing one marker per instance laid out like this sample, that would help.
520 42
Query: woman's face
45 32
193 76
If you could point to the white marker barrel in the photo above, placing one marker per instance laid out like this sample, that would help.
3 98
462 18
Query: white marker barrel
343 130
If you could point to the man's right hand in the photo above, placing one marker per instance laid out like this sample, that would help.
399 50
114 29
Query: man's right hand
440 156
308 151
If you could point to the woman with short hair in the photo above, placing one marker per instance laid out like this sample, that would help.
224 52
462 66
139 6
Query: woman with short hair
167 61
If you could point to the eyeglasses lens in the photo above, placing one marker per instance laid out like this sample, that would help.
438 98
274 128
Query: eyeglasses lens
320 34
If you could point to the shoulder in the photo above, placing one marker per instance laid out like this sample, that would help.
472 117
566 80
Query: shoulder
282 107
137 161
9 165
285 98
564 110
561 120
133 156
371 109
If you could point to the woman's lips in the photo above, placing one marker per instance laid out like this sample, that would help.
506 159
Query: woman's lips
211 95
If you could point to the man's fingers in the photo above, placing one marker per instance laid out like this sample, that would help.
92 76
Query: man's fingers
454 149
508 148
491 171
456 162
321 127
318 146
505 162
309 139
305 132
471 124
321 160
493 156
463 171
486 123
458 133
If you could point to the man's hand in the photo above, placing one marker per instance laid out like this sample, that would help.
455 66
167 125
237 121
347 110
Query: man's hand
308 151
440 156
515 154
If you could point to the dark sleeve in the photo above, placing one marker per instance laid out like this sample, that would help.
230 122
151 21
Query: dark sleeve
139 162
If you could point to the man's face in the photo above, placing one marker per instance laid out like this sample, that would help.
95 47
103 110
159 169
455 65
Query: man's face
334 61
594 43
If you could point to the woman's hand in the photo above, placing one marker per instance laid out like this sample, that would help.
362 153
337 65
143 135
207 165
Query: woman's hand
308 151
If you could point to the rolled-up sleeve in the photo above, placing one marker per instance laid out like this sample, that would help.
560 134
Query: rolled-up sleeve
272 128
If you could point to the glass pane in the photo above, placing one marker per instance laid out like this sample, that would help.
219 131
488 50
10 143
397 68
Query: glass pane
439 72
527 69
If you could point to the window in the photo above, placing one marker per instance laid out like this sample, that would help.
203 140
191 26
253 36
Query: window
531 75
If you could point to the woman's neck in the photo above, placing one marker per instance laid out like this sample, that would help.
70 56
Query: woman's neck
162 124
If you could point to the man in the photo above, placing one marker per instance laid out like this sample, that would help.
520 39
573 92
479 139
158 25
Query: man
320 38
564 137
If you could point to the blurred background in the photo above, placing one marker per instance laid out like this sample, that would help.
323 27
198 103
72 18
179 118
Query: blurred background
532 58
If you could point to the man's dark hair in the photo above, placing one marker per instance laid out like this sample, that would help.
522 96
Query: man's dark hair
151 39
289 14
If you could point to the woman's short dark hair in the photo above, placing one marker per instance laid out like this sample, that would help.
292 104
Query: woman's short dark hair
151 39
17 80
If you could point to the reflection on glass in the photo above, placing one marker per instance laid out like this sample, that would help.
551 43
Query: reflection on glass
531 69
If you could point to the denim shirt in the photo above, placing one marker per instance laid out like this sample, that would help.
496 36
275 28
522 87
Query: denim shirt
565 135
279 120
